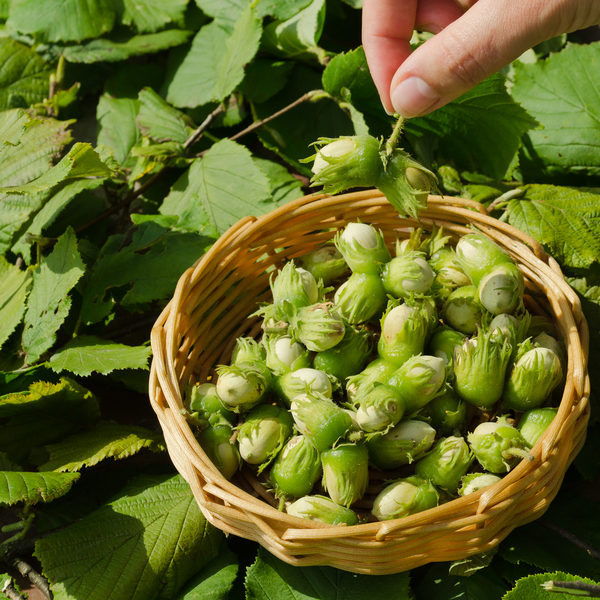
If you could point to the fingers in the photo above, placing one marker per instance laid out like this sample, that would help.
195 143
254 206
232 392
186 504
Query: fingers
490 35
387 27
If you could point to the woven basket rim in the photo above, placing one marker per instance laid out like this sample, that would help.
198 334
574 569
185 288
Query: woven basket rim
297 540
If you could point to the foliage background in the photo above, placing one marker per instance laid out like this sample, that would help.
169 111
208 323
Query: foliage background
128 144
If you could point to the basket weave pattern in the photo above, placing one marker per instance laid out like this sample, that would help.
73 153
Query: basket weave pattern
209 310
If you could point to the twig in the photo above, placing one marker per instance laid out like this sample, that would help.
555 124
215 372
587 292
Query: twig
573 588
203 126
10 592
571 538
314 95
40 582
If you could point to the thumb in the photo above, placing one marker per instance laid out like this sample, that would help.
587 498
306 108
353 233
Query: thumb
490 35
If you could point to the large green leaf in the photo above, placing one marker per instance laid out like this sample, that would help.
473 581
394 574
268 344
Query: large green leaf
214 64
148 541
214 581
563 93
49 302
30 488
350 71
148 267
107 440
44 414
297 37
220 189
270 578
531 587
480 131
62 196
108 50
13 292
284 186
116 125
88 354
565 220
62 20
224 12
81 161
24 75
160 121
152 15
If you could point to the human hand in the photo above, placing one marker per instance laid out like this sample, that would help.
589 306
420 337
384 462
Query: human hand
474 39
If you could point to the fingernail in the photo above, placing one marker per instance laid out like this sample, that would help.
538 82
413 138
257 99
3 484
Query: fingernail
413 96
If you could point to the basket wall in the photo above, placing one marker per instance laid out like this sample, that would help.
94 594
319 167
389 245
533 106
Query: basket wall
209 310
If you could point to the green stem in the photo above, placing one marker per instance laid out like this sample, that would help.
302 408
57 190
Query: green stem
392 141
573 588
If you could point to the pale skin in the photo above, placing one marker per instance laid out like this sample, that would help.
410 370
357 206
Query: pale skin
474 39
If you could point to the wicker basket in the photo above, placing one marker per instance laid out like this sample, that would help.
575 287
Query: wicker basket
210 309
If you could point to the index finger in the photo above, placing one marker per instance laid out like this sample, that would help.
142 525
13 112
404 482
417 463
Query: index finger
387 27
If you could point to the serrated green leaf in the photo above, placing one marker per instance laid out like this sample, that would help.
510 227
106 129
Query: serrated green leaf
214 64
224 12
297 37
224 186
437 584
241 47
148 16
30 488
107 440
24 75
61 197
160 121
480 131
49 302
149 267
81 161
350 71
116 125
16 285
192 74
214 581
280 9
62 20
270 578
88 354
563 94
284 186
530 588
13 124
148 541
108 50
44 414
565 220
